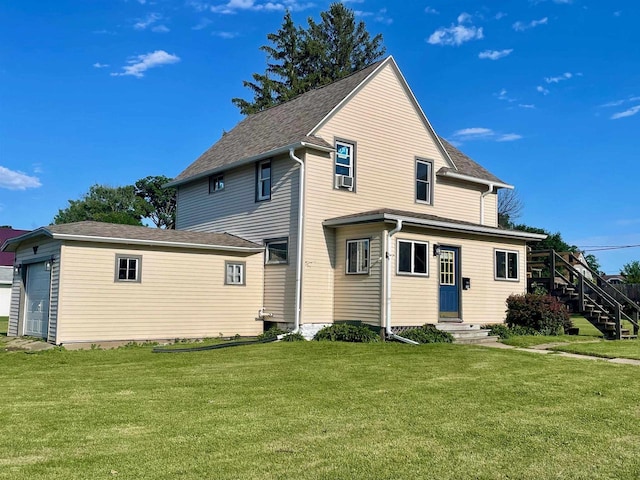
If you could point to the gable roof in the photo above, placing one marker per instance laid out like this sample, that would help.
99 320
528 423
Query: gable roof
292 124
133 235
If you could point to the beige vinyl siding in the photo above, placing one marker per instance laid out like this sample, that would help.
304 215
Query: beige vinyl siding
234 210
182 294
46 249
415 299
359 297
491 210
389 137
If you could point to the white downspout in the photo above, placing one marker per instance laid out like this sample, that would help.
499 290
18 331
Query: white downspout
482 195
301 179
388 243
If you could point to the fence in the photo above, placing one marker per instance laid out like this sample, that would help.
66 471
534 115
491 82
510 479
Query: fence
631 290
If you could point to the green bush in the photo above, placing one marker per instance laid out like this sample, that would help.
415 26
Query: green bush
504 331
542 313
343 332
293 337
273 332
428 333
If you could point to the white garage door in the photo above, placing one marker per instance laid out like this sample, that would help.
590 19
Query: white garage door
36 311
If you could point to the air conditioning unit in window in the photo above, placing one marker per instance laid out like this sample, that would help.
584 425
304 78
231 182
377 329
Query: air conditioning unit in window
344 181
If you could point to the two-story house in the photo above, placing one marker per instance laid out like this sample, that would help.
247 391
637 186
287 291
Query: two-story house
366 214
340 205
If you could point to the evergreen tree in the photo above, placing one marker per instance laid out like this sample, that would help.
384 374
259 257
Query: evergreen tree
300 60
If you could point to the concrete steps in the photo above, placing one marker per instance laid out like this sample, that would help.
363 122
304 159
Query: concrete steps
467 333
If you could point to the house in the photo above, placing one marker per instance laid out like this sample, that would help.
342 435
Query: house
365 213
340 205
614 279
91 282
6 270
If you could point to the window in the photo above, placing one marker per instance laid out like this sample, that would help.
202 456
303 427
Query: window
423 181
412 257
506 265
277 252
128 268
263 183
234 273
344 165
358 256
216 183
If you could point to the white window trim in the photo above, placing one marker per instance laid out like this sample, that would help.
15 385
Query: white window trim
506 266
358 242
429 200
261 180
138 259
242 266
413 255
267 244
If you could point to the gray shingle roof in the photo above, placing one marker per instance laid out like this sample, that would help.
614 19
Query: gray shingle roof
139 235
290 123
465 165
279 126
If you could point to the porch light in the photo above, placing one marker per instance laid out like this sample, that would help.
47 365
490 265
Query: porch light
48 263
17 268
436 250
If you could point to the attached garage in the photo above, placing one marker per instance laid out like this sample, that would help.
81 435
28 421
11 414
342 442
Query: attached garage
91 282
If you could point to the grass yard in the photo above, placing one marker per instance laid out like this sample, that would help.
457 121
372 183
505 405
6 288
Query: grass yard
308 410
4 324
587 333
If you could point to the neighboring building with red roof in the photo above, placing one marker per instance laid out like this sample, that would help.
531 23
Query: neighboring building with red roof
6 269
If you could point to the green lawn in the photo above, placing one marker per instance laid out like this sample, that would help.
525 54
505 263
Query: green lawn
4 324
588 333
308 410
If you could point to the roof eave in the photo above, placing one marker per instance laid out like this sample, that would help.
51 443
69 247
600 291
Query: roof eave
435 224
248 160
155 243
11 244
468 178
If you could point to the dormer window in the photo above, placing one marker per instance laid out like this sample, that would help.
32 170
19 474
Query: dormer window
344 165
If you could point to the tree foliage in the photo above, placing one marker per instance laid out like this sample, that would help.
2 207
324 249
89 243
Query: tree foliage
553 241
593 263
127 205
631 272
510 207
299 60
160 202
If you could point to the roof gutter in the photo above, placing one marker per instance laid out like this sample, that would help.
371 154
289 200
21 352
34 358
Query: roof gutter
468 178
248 160
438 225
491 189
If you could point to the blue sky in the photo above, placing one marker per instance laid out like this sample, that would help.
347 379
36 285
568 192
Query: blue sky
544 93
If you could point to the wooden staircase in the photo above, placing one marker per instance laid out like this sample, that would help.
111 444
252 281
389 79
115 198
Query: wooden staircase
564 276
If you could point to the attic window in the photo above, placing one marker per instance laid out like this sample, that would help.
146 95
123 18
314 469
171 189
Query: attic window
424 181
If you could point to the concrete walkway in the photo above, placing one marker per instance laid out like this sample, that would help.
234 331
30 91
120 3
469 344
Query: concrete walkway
25 344
544 349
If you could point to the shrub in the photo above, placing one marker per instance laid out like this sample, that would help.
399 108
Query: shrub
343 332
504 331
273 332
428 333
542 313
293 337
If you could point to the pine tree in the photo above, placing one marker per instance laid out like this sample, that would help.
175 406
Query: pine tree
300 60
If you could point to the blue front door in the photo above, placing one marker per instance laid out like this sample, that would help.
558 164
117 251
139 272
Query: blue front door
449 283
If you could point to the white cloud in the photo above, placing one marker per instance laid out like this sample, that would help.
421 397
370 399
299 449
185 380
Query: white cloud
521 26
379 16
502 95
627 113
560 78
526 105
204 23
456 34
500 15
100 65
431 11
481 133
14 180
225 35
508 137
146 22
542 90
617 103
495 54
160 29
233 6
141 63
